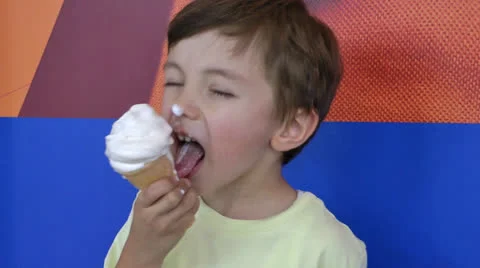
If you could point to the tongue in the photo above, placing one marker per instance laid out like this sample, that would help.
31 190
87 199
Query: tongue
188 157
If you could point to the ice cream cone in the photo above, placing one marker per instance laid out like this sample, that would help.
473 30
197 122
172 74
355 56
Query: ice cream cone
160 168
141 134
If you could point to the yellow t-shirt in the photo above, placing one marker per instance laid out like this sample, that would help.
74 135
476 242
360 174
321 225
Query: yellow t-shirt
306 235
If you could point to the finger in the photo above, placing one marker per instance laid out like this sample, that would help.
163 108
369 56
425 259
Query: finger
187 220
195 207
189 201
184 223
155 191
171 200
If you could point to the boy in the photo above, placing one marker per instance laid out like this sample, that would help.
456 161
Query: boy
255 79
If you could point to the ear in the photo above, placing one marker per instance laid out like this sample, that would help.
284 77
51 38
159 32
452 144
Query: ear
295 132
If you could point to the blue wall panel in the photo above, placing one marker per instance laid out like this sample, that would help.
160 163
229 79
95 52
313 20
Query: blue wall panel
408 190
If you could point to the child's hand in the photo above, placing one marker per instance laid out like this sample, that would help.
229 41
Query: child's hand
161 215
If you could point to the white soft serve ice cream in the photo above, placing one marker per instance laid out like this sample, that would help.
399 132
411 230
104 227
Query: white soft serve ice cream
138 137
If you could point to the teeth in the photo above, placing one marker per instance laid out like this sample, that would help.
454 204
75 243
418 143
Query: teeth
185 138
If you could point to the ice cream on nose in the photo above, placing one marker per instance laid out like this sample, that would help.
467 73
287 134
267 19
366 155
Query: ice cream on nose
177 110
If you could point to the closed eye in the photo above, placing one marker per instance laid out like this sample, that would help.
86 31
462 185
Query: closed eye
173 84
222 93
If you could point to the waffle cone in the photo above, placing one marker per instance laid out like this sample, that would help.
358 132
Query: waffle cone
160 168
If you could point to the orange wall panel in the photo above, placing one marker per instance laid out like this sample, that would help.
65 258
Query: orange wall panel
25 29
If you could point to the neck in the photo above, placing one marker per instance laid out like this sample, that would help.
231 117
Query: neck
262 194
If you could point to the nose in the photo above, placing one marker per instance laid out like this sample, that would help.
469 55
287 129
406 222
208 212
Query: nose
184 106
181 113
189 111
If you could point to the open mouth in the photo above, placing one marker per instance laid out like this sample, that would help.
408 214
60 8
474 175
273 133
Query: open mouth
189 155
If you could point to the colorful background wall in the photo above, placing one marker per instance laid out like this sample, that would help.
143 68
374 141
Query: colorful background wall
398 159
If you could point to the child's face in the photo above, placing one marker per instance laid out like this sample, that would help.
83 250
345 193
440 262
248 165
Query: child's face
229 109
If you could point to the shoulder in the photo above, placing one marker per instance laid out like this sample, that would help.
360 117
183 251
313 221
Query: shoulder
339 246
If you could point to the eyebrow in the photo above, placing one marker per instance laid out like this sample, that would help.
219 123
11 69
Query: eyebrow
229 74
225 73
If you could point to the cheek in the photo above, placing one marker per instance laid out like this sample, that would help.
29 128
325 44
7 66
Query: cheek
167 103
165 112
241 135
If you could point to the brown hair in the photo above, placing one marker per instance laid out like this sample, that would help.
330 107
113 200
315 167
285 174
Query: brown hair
301 54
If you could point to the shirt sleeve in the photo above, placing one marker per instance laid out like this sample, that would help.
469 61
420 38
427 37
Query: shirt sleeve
352 255
363 260
118 243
